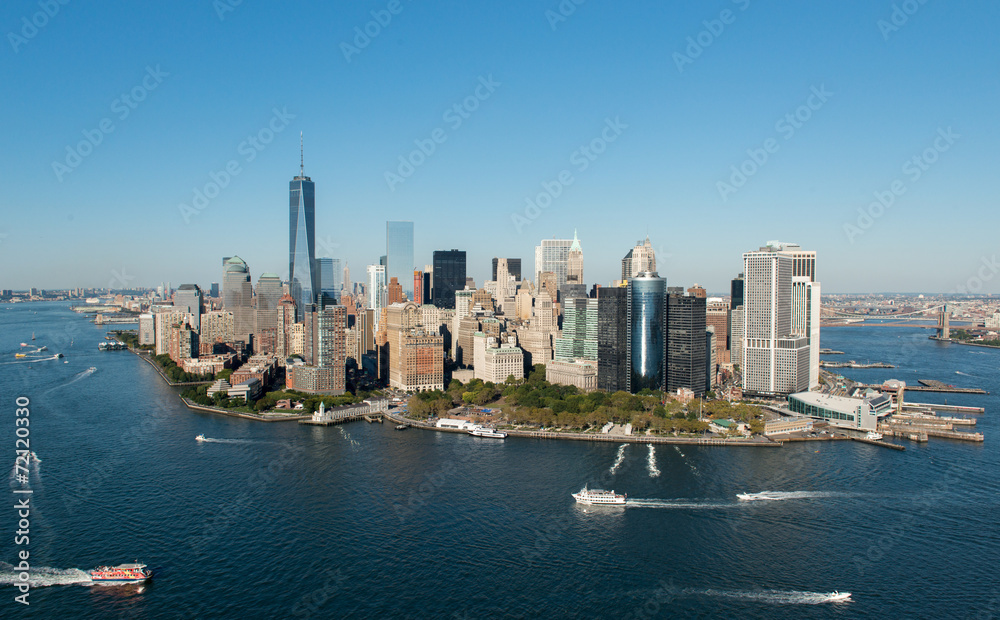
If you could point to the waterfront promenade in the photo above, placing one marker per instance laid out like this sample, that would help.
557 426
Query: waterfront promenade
651 439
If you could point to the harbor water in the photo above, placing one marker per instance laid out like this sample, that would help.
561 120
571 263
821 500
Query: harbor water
283 520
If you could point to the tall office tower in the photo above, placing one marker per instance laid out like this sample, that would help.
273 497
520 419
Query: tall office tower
647 332
505 285
214 290
805 302
376 288
639 259
303 274
285 318
237 297
330 277
735 301
463 306
168 291
513 267
399 254
418 287
574 262
547 284
775 360
346 278
612 339
711 366
394 292
686 354
428 285
717 316
449 277
551 255
268 295
579 333
188 298
736 292
736 336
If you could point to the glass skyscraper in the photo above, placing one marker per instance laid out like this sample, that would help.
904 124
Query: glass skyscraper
647 332
612 338
303 273
449 276
399 255
686 353
330 277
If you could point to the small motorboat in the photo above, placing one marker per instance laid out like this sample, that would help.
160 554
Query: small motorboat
837 596
200 437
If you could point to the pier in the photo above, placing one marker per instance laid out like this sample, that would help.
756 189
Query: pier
853 364
926 430
876 442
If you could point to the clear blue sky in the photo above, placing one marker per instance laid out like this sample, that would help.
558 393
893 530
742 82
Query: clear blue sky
891 89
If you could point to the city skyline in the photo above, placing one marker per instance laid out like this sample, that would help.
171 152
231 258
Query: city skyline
886 126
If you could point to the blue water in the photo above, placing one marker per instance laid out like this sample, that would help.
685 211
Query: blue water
282 520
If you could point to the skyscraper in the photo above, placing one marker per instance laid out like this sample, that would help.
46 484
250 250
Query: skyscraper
639 259
574 262
399 254
775 358
449 276
686 353
513 267
612 338
237 297
376 291
647 332
330 277
551 255
188 299
303 274
268 295
579 334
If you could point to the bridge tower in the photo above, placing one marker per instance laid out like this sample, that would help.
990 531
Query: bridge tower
943 327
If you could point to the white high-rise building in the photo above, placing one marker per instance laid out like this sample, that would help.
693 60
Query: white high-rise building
376 291
551 255
780 320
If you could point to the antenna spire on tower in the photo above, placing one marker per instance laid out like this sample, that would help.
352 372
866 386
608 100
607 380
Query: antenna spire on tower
302 158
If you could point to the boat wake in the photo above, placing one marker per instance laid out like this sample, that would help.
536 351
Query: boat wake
651 463
619 458
964 374
694 470
26 467
778 597
203 439
354 444
42 576
677 503
775 496
77 377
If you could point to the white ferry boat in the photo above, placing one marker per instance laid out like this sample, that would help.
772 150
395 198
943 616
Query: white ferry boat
838 596
485 431
123 573
872 435
598 496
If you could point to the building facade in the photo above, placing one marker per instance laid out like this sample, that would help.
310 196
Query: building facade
647 332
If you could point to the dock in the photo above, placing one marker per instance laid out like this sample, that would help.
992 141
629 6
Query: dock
927 430
371 418
951 408
853 364
876 442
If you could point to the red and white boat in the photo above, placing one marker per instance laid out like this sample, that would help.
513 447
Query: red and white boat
123 573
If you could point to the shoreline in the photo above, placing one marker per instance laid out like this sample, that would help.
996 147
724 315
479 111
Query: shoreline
647 439
159 371
242 414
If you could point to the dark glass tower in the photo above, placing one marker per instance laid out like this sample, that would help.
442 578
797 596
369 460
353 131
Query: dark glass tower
612 339
647 332
449 276
736 292
303 272
686 338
